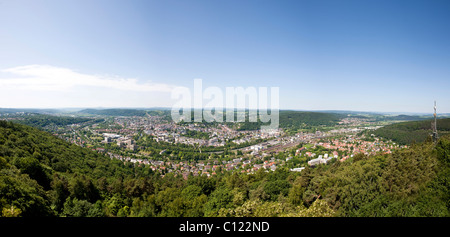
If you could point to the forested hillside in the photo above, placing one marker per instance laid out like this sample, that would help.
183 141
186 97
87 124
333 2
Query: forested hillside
403 117
42 121
415 131
409 182
295 120
39 172
41 175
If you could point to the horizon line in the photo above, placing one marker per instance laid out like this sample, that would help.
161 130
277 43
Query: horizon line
246 109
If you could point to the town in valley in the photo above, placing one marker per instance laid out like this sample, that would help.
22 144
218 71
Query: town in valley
154 141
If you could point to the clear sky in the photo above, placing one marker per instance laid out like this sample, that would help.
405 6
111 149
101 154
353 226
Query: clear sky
365 55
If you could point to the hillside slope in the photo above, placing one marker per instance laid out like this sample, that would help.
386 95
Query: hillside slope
294 120
34 164
414 131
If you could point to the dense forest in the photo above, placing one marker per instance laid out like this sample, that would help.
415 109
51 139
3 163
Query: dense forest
406 133
299 119
402 117
41 175
296 120
43 121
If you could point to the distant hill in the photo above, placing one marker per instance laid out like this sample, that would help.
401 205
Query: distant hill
40 111
294 120
413 131
289 118
403 117
114 112
43 120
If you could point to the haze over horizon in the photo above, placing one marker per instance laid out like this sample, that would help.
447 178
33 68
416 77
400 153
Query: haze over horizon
374 56
76 109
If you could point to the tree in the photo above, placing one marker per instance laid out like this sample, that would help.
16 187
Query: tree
11 211
359 156
34 169
60 187
220 198
275 188
191 191
82 188
113 205
76 208
319 208
169 202
24 193
296 194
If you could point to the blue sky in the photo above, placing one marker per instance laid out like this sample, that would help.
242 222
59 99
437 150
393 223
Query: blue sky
387 56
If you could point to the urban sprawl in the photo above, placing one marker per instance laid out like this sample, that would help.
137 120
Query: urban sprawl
267 151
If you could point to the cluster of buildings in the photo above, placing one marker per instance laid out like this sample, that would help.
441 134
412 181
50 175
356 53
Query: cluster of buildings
206 168
320 160
218 136
123 129
345 148
175 133
122 142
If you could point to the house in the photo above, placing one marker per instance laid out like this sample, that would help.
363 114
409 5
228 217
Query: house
300 150
100 149
335 154
298 169
315 162
319 160
257 166
131 147
120 144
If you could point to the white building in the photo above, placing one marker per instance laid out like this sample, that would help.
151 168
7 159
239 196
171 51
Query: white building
298 169
318 161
